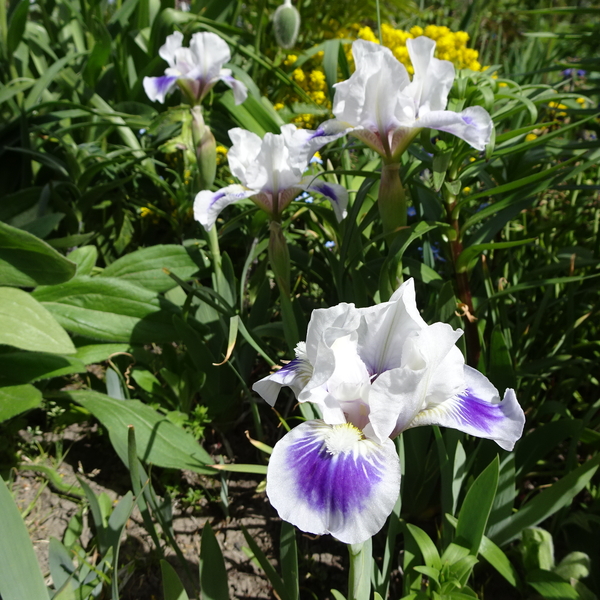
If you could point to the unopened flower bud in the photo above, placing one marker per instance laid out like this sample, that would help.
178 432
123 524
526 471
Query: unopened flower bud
286 24
206 149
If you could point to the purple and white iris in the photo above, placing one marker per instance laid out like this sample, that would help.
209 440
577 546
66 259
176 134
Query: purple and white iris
373 372
195 70
272 174
381 106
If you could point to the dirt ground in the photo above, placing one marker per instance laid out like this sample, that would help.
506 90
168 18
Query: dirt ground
91 457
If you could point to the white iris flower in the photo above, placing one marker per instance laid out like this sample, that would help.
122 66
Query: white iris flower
373 372
380 104
272 174
195 70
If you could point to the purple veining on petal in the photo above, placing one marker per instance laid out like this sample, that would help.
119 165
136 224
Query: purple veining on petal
217 196
291 366
326 190
468 120
317 133
339 484
478 413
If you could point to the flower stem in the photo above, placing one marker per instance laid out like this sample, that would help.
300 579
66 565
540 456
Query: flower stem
391 201
359 578
463 288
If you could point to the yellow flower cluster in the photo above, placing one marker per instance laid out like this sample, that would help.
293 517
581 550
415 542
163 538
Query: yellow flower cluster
450 46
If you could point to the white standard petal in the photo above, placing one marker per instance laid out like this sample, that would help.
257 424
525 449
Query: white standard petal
169 49
210 53
335 193
478 411
367 98
385 327
243 153
433 78
208 205
325 326
329 479
294 374
474 124
157 88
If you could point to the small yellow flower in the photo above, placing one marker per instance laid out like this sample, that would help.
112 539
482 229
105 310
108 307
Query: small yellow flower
530 137
278 105
581 101
145 212
466 190
503 84
290 60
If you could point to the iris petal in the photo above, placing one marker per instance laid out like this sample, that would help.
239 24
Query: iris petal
208 205
157 88
478 411
328 479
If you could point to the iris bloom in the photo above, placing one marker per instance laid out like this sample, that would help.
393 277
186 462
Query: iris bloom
195 69
271 171
373 372
380 105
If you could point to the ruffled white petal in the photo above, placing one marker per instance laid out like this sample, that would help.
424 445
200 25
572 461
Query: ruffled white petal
369 97
478 411
433 78
328 479
157 88
474 124
385 327
208 205
210 53
243 153
169 49
335 193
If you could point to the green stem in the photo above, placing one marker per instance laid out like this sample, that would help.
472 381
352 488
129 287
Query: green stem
391 201
359 578
463 288
379 22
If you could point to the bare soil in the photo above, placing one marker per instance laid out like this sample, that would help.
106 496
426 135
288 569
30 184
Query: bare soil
90 456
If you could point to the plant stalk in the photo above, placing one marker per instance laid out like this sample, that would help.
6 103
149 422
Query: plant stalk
359 577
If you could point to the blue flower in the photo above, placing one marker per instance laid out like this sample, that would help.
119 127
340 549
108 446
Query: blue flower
330 244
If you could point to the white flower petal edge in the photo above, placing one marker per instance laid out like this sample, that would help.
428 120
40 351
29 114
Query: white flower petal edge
294 374
329 479
478 411
208 205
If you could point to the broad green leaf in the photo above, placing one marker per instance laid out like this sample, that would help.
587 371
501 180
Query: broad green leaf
546 503
146 267
96 353
159 441
60 563
26 324
430 553
475 509
27 261
16 27
25 367
172 587
499 561
110 309
551 586
17 399
20 575
213 575
85 258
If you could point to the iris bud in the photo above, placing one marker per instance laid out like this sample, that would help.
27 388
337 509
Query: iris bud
286 24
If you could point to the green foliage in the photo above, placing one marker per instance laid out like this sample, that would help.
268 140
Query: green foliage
104 269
